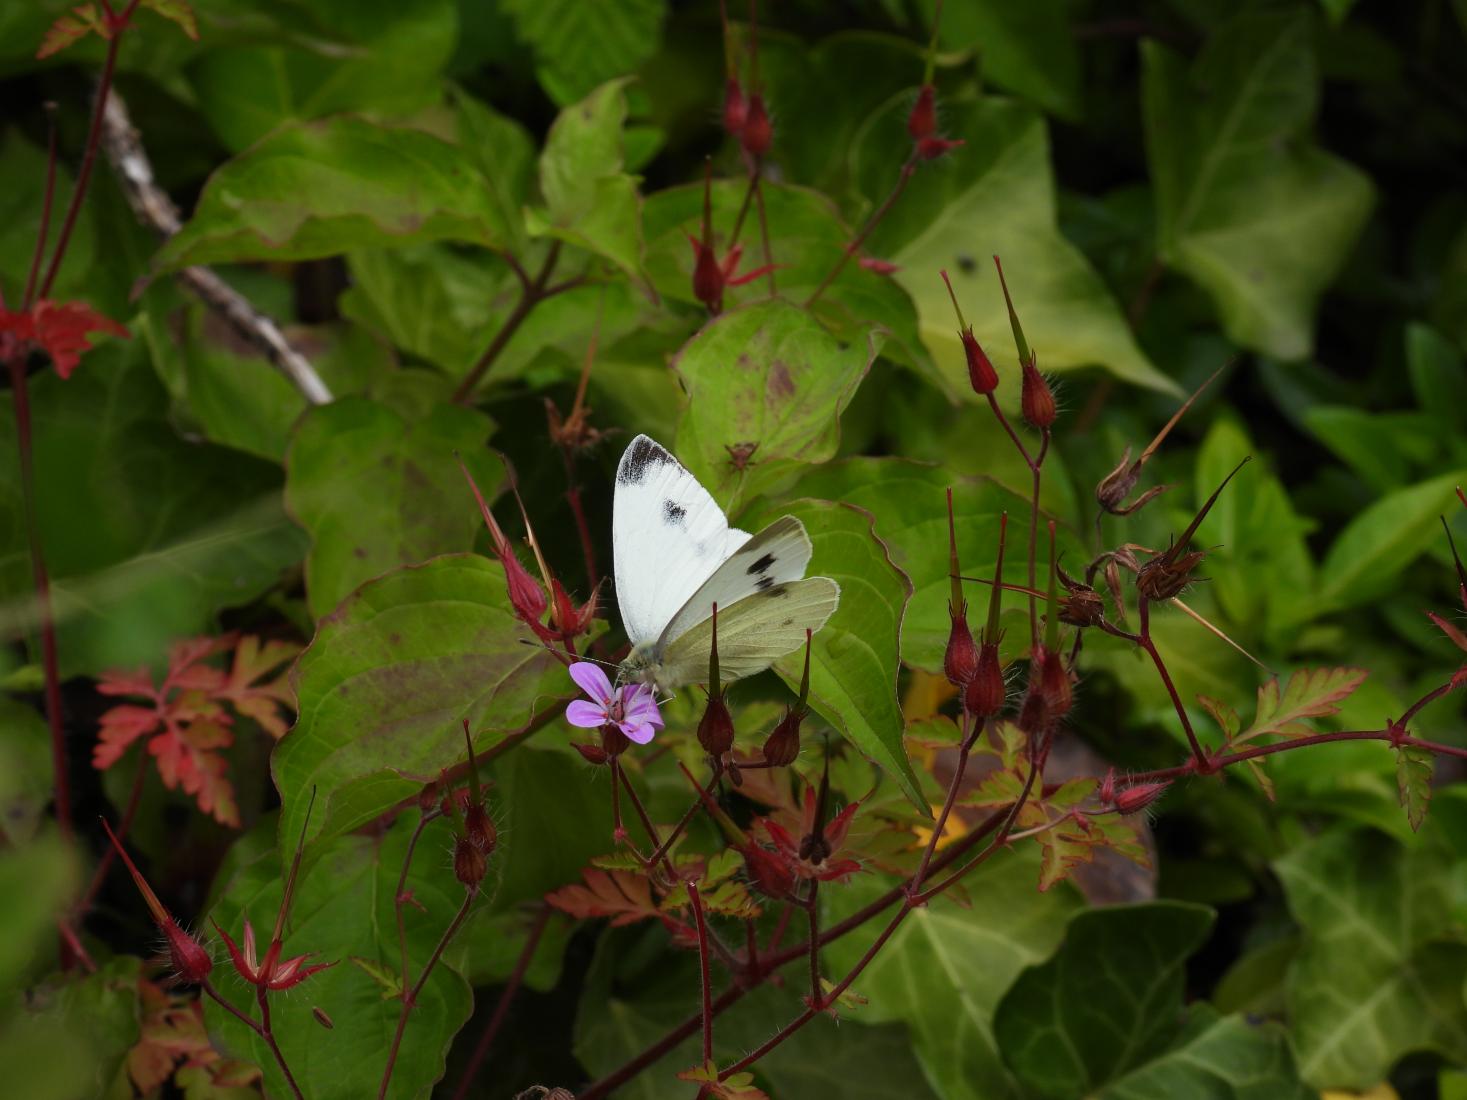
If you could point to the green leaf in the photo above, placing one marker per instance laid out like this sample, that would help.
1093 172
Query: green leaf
1261 218
855 657
20 213
1414 767
909 501
590 201
769 376
317 189
807 238
579 44
995 196
1438 376
384 686
146 535
37 881
103 1007
1378 544
945 969
1027 49
1106 1002
26 785
376 491
273 64
1223 1058
344 910
1375 445
1380 972
505 152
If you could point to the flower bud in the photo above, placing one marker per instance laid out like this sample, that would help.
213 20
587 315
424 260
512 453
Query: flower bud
469 863
570 619
758 132
613 741
768 874
190 962
594 754
1033 715
783 743
1082 606
479 829
735 107
960 659
1036 400
716 728
1054 682
986 692
321 1018
708 279
922 122
981 374
1164 577
428 797
930 148
1133 800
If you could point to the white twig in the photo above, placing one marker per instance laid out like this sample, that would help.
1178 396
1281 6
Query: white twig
153 206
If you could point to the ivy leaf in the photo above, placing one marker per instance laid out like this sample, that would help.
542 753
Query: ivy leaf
387 680
344 907
313 189
1225 1058
1310 693
376 490
590 201
578 44
855 659
994 196
1106 1002
770 380
1381 968
1246 206
1414 767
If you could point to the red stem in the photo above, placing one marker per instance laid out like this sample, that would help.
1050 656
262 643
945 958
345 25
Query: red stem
1144 614
29 299
704 978
123 825
506 998
871 223
262 995
531 295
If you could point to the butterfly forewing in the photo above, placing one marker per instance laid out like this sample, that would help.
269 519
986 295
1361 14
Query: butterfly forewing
775 555
752 633
669 536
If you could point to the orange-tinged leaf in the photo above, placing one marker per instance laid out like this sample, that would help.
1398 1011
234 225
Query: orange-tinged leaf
620 895
76 24
1414 767
121 726
1310 693
176 11
1224 715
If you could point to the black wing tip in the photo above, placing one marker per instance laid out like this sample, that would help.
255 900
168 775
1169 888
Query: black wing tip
642 455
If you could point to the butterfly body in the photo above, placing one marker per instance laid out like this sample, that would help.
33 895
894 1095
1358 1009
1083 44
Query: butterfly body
677 558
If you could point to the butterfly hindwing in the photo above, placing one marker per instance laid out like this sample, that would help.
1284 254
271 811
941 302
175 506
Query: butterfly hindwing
752 633
775 555
669 536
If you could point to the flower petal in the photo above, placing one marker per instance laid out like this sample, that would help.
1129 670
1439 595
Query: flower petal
590 679
586 715
640 732
640 705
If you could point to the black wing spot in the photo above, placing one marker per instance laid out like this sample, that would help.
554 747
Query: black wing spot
761 566
767 586
641 458
764 584
673 513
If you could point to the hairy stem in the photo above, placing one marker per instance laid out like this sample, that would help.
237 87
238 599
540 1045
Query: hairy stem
506 998
872 222
1144 614
531 295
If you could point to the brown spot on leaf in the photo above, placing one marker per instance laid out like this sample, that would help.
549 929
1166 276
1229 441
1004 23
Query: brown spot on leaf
781 385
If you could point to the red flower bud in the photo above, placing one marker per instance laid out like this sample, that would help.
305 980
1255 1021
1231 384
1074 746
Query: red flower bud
569 618
708 279
716 728
1033 715
191 963
878 267
1037 400
758 133
960 659
930 148
479 829
981 374
768 873
469 864
986 691
783 744
594 754
922 122
1133 800
1054 682
613 741
735 108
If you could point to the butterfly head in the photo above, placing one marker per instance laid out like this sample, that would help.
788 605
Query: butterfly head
641 667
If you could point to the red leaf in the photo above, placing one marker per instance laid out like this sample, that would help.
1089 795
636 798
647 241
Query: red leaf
121 726
266 703
62 328
186 762
80 22
122 682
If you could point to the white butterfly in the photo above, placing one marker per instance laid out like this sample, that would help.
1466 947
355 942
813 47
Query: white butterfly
676 556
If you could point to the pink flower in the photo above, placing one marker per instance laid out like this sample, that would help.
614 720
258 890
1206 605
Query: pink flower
631 709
